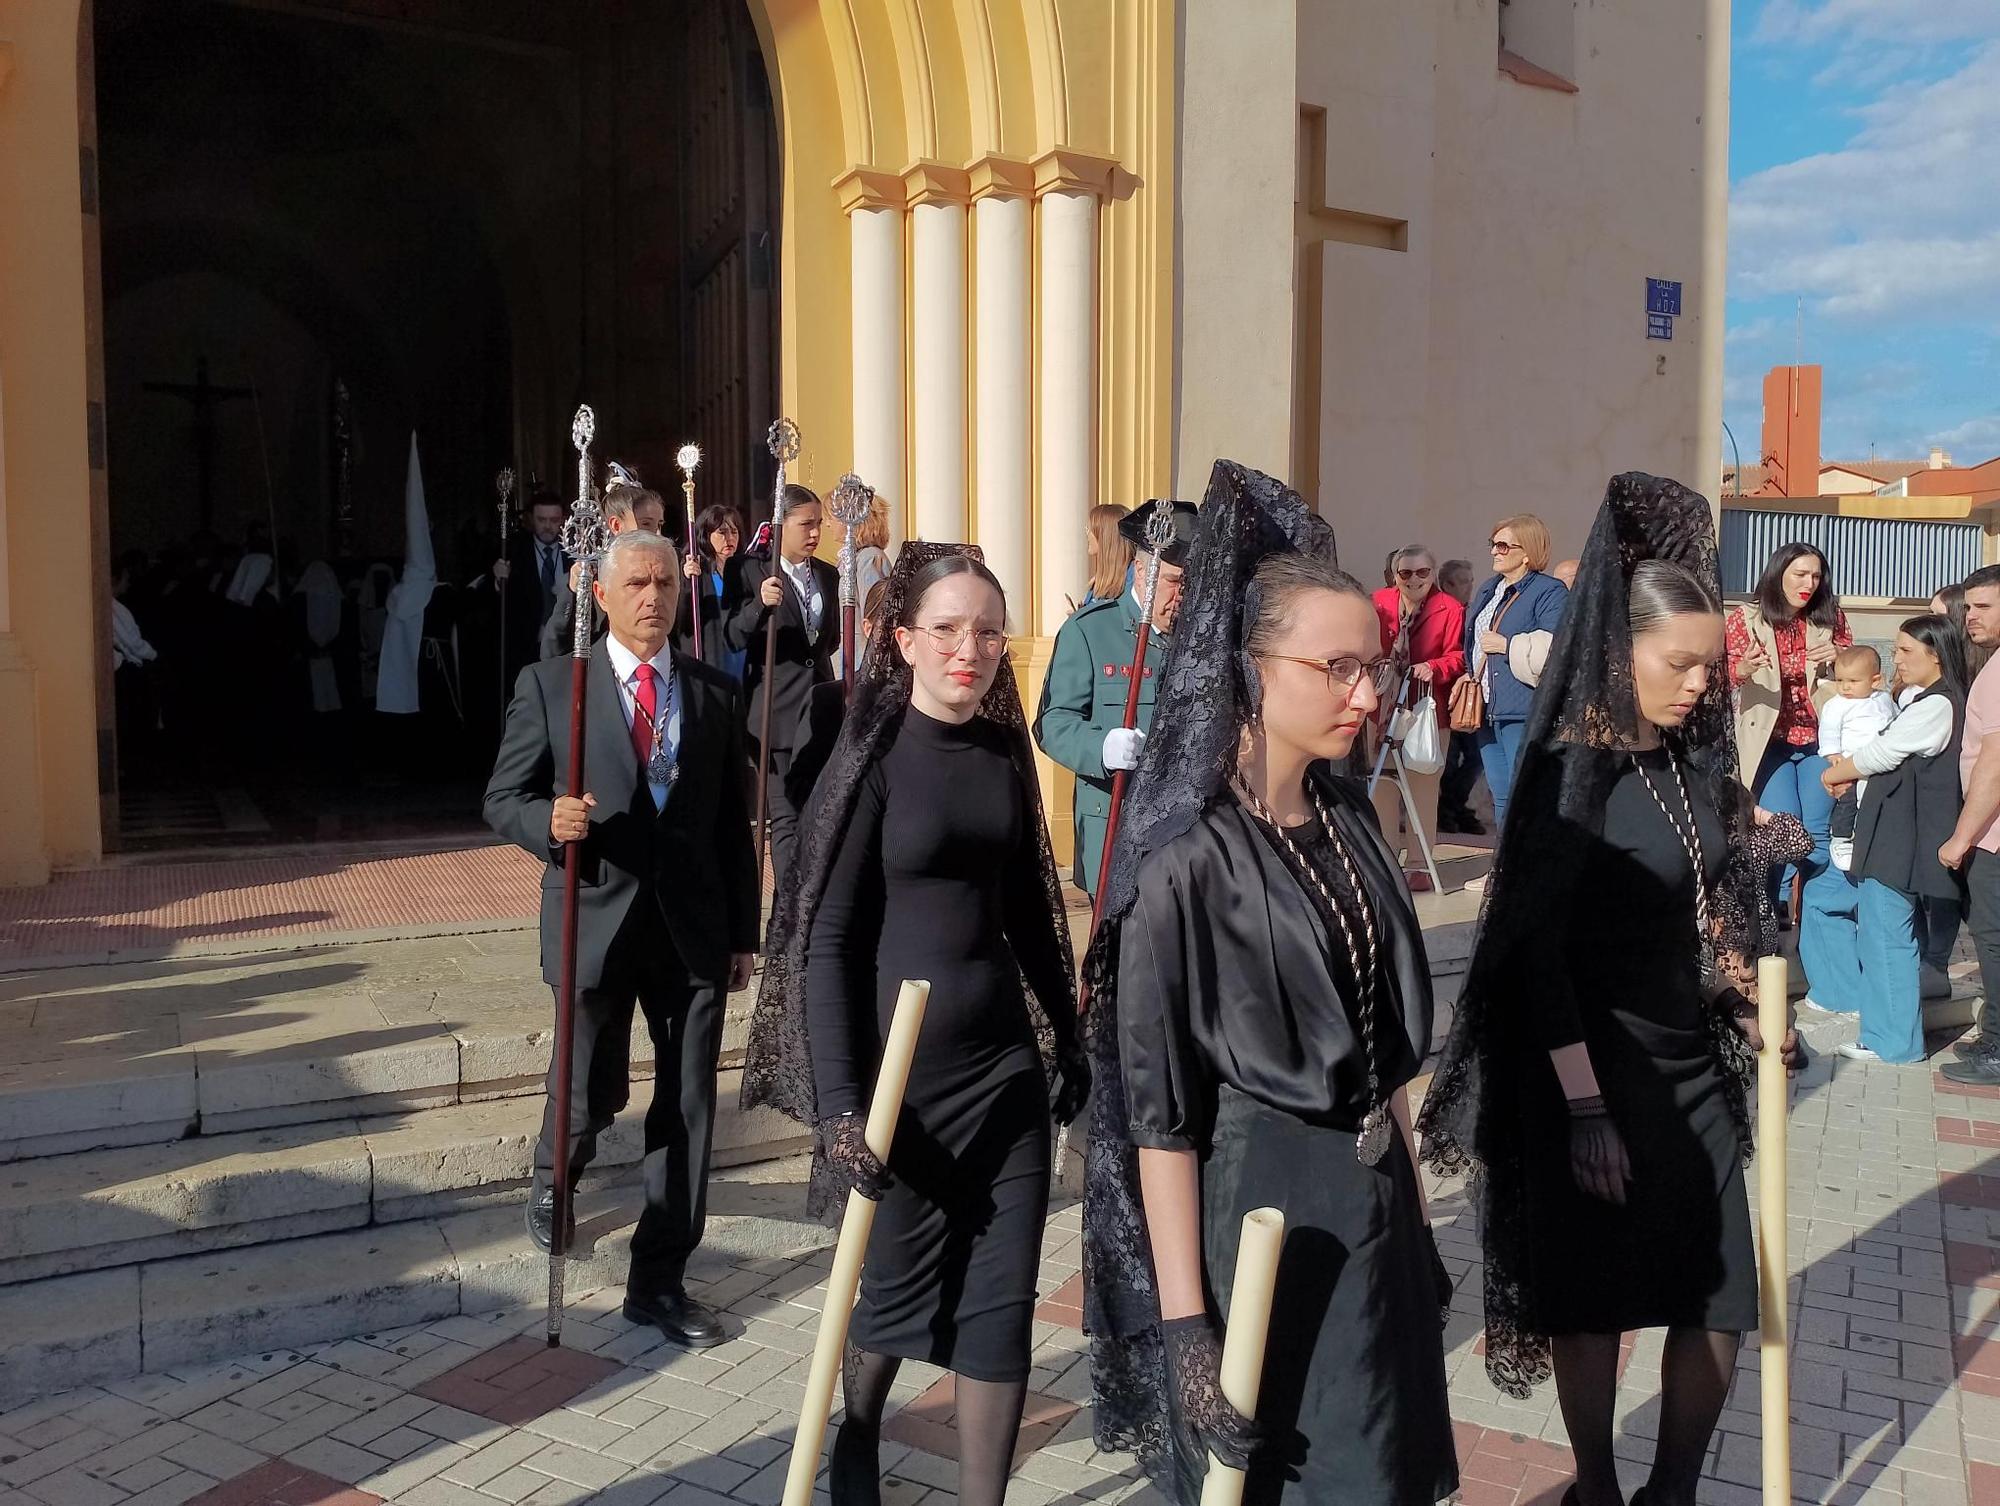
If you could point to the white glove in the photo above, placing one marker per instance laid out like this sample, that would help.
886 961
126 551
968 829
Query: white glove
1123 747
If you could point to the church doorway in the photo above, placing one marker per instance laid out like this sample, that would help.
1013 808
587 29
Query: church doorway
330 226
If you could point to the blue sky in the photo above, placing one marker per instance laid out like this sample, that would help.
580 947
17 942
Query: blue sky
1865 179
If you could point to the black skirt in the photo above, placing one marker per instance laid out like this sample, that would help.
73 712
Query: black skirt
950 1273
1353 1393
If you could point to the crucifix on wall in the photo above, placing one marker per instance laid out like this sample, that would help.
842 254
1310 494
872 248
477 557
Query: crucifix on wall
1316 224
205 397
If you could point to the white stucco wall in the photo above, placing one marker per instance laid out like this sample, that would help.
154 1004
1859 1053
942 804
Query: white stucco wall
1233 251
1499 364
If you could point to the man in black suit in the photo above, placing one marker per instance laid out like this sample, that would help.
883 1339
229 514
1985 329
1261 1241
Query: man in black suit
535 565
796 596
667 909
624 507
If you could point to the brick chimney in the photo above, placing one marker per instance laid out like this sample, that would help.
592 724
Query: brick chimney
1791 432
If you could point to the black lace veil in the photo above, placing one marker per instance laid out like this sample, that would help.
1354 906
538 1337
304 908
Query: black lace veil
1585 711
1207 686
777 1065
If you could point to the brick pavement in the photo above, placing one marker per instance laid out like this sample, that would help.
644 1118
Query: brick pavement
1895 1232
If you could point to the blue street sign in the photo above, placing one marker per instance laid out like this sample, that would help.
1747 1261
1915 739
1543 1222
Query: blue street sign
1660 327
1662 297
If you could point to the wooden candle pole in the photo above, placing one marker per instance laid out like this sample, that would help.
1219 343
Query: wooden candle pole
845 1278
1250 1293
1774 1349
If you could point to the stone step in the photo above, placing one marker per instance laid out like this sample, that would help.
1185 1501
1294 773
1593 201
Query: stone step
97 1210
102 1058
67 1331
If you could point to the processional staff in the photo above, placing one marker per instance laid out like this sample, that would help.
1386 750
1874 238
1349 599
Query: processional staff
583 538
688 458
784 443
852 498
1159 534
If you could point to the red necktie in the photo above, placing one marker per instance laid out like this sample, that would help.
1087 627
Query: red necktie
646 702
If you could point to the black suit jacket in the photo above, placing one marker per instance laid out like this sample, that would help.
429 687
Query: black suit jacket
693 860
699 595
559 629
802 660
528 605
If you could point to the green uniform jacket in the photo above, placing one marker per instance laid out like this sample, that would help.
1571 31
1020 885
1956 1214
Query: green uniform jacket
1084 698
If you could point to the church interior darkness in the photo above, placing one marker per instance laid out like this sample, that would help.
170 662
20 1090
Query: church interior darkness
331 224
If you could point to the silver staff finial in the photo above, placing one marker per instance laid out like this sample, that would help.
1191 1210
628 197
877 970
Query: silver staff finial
688 458
504 484
849 502
784 441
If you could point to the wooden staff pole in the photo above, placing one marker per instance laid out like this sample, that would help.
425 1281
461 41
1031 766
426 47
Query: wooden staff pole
584 538
687 459
1257 1251
844 1279
1774 1347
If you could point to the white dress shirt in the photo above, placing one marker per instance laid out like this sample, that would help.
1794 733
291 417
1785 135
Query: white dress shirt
806 585
666 698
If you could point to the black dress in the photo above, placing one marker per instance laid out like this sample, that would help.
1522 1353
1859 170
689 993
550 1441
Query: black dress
1622 977
938 877
1239 1039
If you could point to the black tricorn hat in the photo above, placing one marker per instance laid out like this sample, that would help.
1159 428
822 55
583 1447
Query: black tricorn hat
1132 528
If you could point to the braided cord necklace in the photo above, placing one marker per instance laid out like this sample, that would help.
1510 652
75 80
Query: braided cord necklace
1372 1141
1686 828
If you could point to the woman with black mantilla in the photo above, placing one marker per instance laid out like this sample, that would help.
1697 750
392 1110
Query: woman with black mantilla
925 856
1596 1067
1260 999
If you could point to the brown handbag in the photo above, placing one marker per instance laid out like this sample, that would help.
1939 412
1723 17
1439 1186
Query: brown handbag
1467 706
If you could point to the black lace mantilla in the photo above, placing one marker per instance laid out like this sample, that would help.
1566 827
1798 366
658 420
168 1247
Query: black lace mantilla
1206 686
777 1064
1585 711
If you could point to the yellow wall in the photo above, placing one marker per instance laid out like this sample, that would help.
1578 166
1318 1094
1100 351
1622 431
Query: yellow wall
48 727
871 84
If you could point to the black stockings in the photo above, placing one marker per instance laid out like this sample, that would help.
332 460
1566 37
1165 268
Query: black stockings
989 1422
1695 1372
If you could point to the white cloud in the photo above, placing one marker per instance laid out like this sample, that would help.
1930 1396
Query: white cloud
1877 20
1979 437
1902 220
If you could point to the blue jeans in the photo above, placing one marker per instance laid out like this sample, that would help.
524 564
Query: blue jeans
1858 941
1788 783
1499 751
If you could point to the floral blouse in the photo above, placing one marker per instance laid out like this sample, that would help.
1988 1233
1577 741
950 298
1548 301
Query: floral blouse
1798 718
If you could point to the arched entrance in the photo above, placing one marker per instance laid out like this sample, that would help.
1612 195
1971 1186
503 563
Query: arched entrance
326 228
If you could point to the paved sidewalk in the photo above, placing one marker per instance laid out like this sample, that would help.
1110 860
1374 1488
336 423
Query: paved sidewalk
1895 1218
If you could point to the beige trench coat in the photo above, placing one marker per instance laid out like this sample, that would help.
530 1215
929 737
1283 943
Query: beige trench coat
1757 698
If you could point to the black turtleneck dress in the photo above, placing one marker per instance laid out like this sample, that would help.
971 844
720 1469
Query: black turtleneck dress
938 876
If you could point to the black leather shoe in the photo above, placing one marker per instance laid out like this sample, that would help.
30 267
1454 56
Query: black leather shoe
682 1319
542 1220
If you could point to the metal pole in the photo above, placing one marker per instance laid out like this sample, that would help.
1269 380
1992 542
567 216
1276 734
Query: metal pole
688 458
784 443
583 538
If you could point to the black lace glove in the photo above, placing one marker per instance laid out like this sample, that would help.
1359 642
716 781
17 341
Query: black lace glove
1073 1080
1597 1156
846 1141
1742 1013
1440 1277
1194 1371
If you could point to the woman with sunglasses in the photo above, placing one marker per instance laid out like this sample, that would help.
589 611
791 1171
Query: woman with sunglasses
1278 1005
924 855
1424 629
1519 598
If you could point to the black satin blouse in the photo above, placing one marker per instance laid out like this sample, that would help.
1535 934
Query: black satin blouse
1229 972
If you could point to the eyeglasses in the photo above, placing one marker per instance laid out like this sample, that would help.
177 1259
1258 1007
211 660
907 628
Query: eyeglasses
1344 672
1423 574
991 643
1499 546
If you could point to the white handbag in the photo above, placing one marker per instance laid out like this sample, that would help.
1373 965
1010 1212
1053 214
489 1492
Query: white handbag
1420 736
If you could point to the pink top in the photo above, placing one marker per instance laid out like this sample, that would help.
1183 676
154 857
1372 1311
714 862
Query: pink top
1982 717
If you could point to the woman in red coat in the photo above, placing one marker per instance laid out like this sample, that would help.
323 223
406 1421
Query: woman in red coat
1424 628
